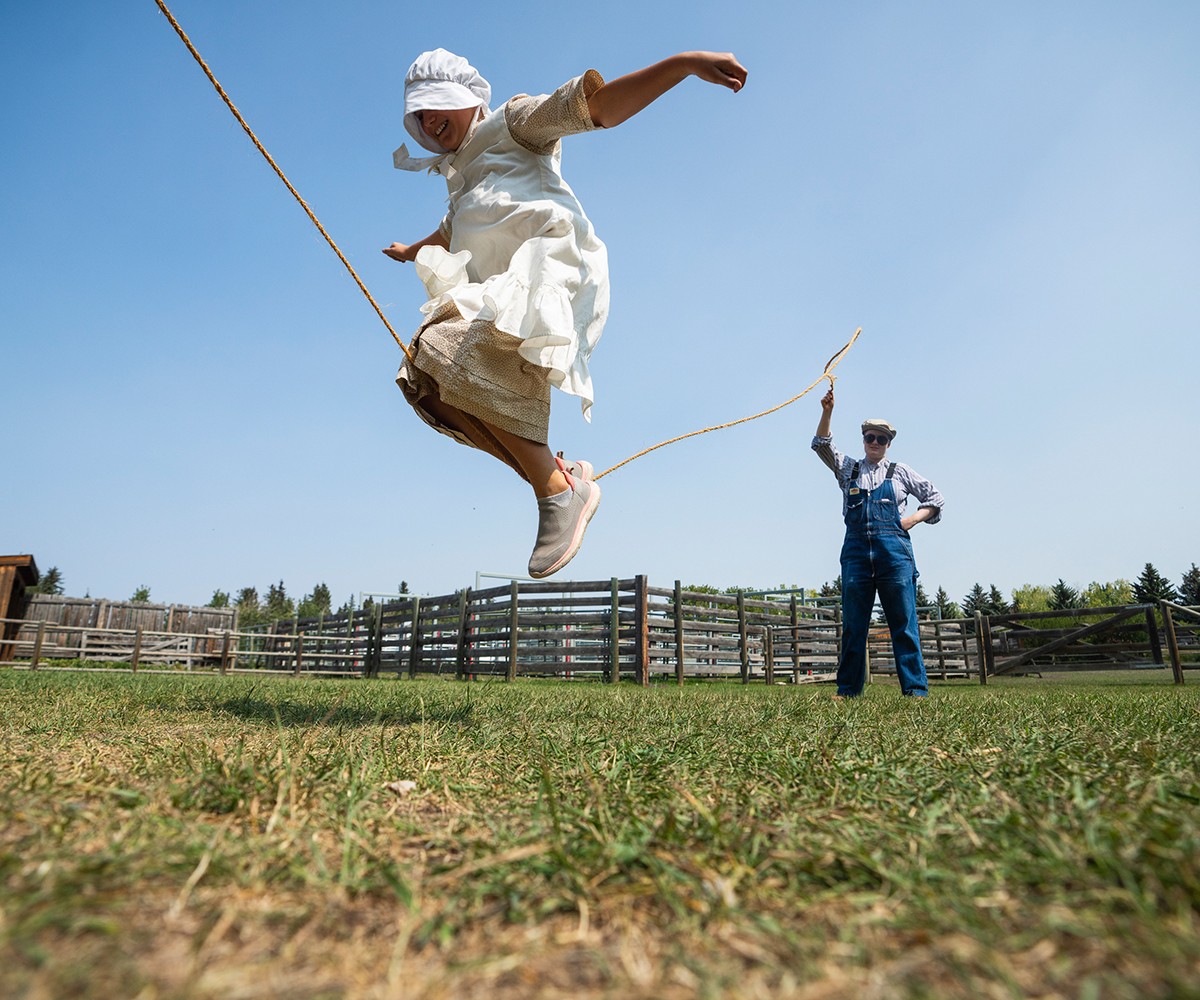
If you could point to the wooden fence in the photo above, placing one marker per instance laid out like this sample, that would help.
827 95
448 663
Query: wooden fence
1113 638
91 612
609 630
623 629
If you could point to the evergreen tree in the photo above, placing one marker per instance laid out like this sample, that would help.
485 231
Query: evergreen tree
249 611
141 595
833 589
923 600
50 582
1152 586
946 607
996 604
403 587
219 599
317 603
1189 588
976 600
1064 597
279 605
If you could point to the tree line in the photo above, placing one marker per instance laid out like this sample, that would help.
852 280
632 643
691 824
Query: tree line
1149 588
278 605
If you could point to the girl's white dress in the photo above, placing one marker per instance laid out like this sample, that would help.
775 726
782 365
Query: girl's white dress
519 300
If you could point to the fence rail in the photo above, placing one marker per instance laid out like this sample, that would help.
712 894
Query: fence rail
613 630
1088 639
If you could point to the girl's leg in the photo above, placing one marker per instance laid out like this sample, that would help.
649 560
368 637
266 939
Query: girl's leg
532 460
565 504
543 473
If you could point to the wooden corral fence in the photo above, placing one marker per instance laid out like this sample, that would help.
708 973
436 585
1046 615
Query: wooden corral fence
84 628
624 629
606 630
44 641
90 612
1113 638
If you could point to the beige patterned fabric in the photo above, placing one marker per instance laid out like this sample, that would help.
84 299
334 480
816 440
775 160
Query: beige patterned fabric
476 369
537 123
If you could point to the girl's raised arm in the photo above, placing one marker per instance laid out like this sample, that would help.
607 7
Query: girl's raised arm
625 96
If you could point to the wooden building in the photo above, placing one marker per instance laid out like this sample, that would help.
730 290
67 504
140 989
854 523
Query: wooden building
17 574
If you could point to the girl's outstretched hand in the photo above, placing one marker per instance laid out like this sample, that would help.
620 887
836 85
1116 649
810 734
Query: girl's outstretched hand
719 67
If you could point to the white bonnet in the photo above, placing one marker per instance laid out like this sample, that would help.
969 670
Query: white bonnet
441 81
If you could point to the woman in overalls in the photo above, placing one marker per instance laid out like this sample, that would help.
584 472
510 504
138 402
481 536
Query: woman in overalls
877 555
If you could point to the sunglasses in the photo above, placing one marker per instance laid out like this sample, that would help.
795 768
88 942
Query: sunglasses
872 438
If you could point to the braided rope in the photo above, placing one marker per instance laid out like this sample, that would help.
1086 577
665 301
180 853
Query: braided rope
274 166
830 365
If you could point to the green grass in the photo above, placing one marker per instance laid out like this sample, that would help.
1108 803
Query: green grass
175 836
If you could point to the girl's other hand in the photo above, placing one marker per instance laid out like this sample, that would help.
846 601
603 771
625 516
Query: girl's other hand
401 251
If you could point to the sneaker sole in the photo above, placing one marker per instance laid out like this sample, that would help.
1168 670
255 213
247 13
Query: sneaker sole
576 537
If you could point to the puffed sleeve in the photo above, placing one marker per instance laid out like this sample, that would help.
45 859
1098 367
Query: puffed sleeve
537 123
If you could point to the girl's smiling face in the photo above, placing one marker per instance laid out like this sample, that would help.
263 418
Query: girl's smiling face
447 128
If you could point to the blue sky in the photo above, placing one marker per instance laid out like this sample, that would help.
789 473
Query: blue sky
1005 197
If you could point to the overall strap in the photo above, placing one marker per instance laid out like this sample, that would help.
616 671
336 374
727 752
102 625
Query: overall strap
891 471
854 474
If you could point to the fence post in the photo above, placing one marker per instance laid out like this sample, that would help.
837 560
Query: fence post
137 650
795 615
414 638
299 640
1152 634
460 654
37 645
641 589
679 649
937 633
768 654
1172 641
614 633
225 653
838 635
376 642
514 624
979 648
741 610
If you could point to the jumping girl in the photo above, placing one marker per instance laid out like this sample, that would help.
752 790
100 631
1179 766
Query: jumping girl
517 279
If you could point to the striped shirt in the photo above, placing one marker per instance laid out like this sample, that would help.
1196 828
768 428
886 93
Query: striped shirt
870 476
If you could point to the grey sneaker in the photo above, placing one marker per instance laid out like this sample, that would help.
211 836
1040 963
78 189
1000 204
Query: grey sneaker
561 528
577 470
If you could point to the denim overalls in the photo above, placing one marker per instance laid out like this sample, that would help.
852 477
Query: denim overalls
877 556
